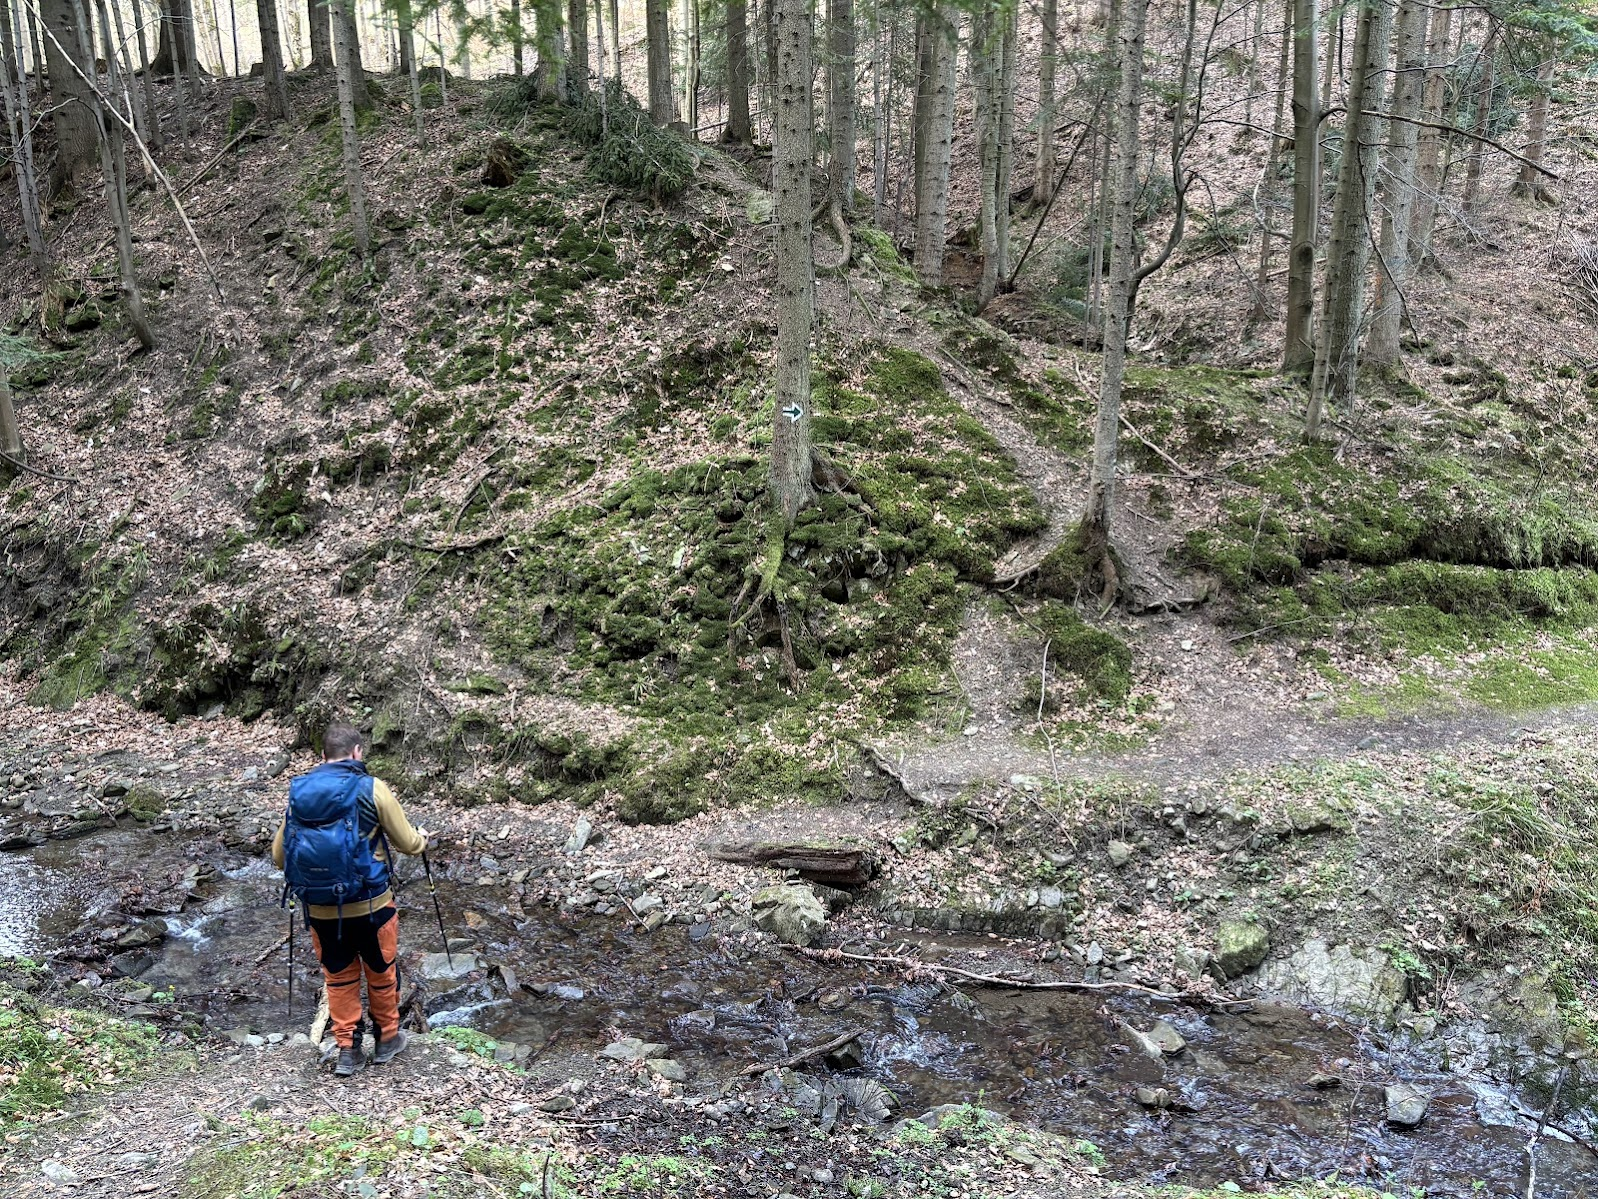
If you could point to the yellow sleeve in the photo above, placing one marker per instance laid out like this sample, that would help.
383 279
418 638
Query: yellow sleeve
277 847
396 825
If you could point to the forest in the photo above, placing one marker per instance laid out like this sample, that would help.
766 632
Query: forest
957 599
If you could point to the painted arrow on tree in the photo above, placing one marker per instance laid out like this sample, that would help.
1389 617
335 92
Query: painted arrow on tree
793 413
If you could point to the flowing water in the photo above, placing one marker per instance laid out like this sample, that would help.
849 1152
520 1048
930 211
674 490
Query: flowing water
1237 1103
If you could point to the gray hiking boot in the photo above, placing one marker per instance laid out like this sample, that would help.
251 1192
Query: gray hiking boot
389 1049
350 1059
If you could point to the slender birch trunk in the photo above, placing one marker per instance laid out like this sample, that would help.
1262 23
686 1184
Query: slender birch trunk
1098 519
1393 267
791 485
344 63
1336 376
737 132
1298 350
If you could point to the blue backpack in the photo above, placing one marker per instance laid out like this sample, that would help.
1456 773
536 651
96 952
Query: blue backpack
328 857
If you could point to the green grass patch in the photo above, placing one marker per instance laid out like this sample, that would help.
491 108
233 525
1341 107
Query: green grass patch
269 1157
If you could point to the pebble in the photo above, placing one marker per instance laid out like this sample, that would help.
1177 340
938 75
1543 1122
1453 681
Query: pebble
56 1172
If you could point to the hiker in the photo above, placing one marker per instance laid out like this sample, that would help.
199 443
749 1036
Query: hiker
334 850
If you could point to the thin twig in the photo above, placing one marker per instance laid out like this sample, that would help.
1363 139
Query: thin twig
206 169
34 470
1181 471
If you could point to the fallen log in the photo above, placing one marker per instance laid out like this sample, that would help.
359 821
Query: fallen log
799 1059
833 865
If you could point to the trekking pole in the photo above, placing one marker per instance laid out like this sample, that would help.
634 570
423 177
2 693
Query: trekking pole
432 889
290 1012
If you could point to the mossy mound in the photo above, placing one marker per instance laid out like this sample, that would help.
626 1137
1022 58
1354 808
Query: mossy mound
1097 658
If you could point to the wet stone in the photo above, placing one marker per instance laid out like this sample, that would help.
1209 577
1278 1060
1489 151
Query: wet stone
1406 1105
664 1067
631 1049
560 1103
1240 945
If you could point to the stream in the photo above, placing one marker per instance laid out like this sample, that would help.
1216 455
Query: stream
1235 1104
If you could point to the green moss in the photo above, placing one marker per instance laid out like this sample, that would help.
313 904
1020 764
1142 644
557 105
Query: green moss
49 1055
268 1157
145 802
1100 659
281 504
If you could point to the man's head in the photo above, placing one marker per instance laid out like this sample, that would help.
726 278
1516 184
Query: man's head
342 741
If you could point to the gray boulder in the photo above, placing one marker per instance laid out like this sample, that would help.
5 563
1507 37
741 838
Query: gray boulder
1340 978
1406 1105
1240 945
790 912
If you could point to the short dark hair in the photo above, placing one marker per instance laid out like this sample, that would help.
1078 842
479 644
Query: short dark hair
340 741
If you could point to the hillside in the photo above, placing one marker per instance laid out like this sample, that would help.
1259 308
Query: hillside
497 497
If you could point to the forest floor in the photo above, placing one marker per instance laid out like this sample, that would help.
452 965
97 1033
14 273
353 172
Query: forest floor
494 494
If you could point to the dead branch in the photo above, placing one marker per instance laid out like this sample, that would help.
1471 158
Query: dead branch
1181 471
913 967
879 762
34 470
1475 137
194 180
272 948
799 1059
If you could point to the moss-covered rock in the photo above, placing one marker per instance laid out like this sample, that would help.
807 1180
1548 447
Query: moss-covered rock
1240 945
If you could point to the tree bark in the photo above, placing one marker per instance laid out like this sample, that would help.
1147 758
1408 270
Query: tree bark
77 143
1298 351
690 66
320 26
1267 192
154 137
1043 173
549 76
881 110
113 166
841 101
932 198
130 77
1398 185
345 70
1009 15
577 51
1336 375
274 91
1098 519
1484 112
657 33
791 485
1530 183
737 132
615 39
174 47
352 43
413 74
984 54
518 40
1429 150
19 123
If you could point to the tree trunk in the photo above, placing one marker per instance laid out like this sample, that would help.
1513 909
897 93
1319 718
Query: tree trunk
19 123
77 150
1348 254
737 132
274 92
1098 519
175 42
345 69
881 110
463 34
357 69
932 199
1484 112
126 73
769 96
921 105
11 443
320 25
791 485
577 51
413 75
1261 307
1298 351
657 33
1009 17
1333 73
154 137
615 39
1043 173
113 166
1531 183
985 52
1398 185
1429 151
549 76
518 40
690 66
841 101
1254 48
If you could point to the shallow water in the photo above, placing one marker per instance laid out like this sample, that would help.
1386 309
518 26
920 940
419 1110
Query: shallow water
1060 1061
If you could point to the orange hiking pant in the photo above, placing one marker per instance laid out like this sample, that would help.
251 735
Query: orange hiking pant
356 946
